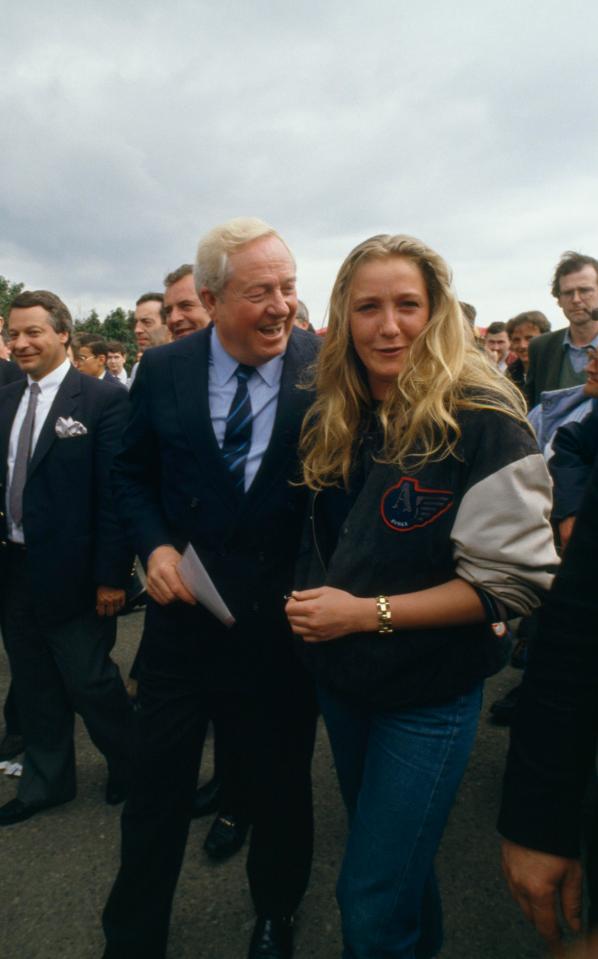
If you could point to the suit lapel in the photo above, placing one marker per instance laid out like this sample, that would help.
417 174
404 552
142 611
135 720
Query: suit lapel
11 397
553 360
190 376
65 404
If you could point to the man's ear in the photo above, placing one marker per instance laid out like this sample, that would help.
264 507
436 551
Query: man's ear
209 301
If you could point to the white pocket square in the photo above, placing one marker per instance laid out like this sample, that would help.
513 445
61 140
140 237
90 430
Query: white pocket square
67 427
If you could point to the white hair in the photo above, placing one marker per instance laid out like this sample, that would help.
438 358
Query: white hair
212 266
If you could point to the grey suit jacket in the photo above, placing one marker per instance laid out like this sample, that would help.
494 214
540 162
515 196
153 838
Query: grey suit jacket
546 356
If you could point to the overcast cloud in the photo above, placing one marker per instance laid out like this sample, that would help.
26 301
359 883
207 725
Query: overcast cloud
130 130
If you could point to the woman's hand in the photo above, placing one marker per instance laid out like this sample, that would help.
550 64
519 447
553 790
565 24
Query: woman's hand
319 615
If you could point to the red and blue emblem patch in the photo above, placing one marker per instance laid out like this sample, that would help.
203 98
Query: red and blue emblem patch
407 505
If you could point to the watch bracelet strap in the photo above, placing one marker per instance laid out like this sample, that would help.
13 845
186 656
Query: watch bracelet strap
384 615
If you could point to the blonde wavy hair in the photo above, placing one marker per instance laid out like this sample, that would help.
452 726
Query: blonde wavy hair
444 373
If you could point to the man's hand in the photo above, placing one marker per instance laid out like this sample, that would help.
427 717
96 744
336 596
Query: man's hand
318 615
109 600
163 581
537 881
565 529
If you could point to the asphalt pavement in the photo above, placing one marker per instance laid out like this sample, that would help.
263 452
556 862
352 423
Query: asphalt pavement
57 868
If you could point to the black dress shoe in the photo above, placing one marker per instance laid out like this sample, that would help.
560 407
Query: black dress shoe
11 746
206 799
272 938
225 838
16 811
116 791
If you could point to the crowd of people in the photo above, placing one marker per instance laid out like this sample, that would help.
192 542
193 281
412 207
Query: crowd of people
375 509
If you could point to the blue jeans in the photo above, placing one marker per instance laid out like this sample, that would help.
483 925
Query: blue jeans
398 773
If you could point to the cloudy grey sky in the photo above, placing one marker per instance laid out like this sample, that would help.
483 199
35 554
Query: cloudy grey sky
130 128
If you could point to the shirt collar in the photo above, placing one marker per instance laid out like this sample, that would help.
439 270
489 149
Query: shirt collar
52 380
568 344
224 365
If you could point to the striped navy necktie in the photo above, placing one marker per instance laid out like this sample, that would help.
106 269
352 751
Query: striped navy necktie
239 423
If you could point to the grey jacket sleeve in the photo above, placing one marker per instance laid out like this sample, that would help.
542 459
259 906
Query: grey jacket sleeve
502 538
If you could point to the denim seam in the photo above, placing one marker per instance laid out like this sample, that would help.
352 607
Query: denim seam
449 746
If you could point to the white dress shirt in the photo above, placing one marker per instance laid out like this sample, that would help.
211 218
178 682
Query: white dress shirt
49 386
131 379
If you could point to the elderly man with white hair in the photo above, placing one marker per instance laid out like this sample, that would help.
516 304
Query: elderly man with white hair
209 458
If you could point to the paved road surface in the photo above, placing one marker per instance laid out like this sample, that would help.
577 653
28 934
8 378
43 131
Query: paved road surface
57 868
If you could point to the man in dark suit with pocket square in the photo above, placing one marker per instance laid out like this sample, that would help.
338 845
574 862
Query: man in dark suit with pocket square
209 458
12 743
63 558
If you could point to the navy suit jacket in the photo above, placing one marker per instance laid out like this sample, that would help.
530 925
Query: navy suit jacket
173 487
74 540
9 372
110 378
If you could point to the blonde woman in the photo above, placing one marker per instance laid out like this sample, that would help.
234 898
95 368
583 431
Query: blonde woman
428 524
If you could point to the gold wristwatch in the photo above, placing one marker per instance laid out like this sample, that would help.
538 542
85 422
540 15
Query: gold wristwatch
384 615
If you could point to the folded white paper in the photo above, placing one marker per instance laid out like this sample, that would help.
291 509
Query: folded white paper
199 583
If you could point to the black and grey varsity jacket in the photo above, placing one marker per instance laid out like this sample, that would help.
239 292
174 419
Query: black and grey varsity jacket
481 514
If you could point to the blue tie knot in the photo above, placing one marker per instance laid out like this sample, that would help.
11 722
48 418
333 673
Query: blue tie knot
243 372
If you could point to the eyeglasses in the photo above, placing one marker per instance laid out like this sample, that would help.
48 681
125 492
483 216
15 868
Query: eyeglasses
584 293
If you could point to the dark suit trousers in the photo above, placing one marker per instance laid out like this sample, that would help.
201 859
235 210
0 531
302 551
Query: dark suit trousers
269 701
58 670
12 723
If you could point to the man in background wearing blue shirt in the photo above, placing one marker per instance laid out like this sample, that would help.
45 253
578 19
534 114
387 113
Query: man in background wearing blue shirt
558 359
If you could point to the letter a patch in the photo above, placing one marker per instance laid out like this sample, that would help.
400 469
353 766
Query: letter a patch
407 505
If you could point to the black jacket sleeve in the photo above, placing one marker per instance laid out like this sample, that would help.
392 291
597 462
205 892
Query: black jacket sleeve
553 738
